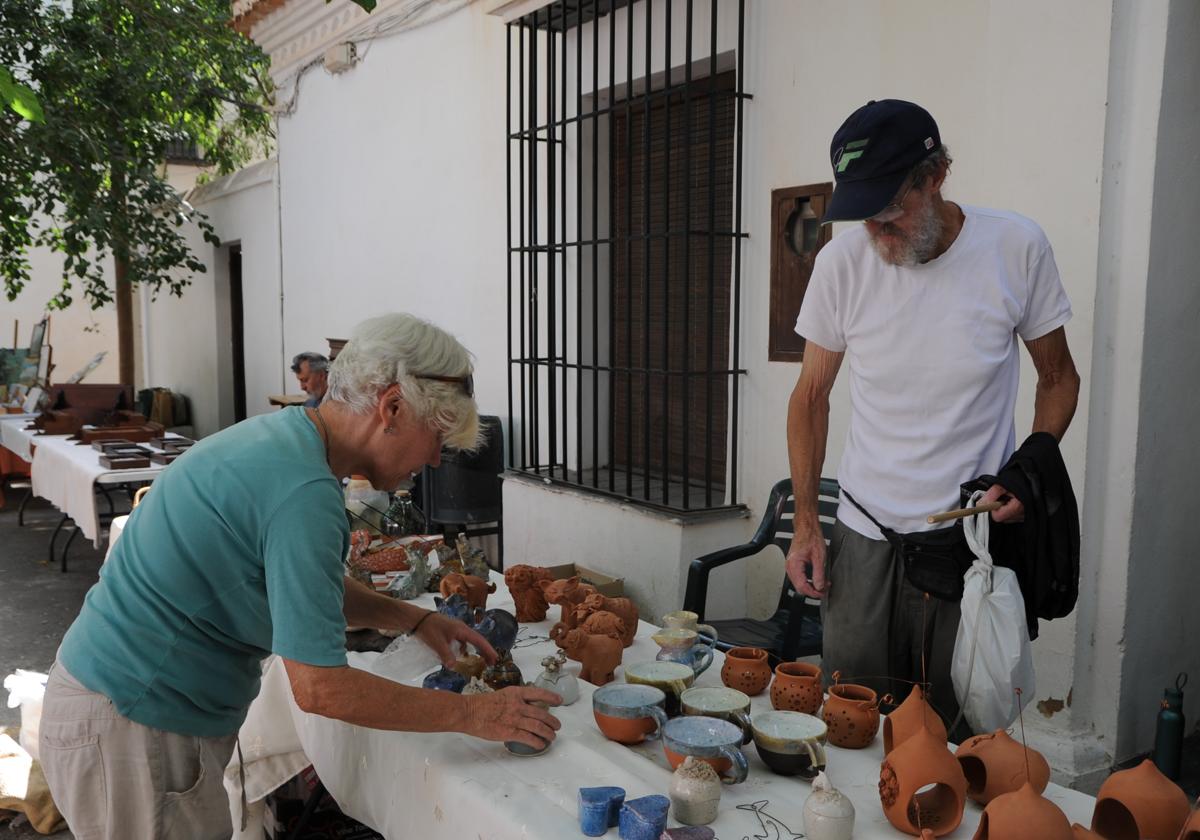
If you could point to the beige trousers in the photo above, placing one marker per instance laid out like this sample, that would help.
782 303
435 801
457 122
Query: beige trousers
117 780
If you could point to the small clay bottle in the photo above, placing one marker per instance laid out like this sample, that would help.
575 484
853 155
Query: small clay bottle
828 813
695 792
557 679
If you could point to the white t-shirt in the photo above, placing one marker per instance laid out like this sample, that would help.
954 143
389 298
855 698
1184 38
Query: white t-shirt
933 359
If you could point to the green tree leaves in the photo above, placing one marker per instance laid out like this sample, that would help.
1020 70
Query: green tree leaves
19 97
118 82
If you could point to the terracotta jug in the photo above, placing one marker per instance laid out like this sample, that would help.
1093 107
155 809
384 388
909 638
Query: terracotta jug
797 688
922 763
746 669
904 721
1139 802
1191 829
852 714
994 764
1021 814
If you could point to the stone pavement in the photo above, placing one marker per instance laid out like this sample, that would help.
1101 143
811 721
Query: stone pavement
37 604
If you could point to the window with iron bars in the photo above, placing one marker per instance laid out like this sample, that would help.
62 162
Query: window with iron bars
624 227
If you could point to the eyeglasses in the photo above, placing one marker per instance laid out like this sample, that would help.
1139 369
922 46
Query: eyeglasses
894 210
467 382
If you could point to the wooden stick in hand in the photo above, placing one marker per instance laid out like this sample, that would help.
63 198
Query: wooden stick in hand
963 512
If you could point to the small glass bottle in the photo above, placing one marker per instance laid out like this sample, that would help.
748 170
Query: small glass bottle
403 516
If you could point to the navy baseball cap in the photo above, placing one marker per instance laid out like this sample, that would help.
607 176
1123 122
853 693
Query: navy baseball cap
873 152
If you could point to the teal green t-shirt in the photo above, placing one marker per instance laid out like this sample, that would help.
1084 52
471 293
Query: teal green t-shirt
236 552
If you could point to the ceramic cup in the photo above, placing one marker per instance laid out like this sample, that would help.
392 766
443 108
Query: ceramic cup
629 714
709 739
677 644
790 743
517 748
719 702
688 620
672 678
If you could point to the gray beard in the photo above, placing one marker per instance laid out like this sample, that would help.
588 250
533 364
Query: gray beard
918 247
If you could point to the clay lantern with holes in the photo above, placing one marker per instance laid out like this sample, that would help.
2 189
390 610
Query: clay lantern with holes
852 714
922 787
1139 802
914 713
1023 813
994 764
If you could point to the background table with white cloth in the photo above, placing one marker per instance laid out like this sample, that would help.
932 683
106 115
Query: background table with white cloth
14 437
448 785
66 473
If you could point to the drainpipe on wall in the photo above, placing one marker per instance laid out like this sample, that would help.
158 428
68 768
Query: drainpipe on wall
283 360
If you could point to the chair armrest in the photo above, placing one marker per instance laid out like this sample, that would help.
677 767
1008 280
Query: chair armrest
696 596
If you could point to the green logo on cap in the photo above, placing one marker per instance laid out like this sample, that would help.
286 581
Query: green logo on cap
849 153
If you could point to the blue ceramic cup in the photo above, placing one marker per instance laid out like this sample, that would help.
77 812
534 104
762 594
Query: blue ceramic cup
629 714
599 809
712 740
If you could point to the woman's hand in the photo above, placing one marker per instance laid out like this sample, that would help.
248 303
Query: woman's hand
441 633
511 715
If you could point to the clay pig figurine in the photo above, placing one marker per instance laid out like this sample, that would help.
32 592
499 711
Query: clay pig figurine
623 608
568 593
599 655
523 584
474 589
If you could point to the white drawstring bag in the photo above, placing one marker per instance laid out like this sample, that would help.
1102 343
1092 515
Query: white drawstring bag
992 654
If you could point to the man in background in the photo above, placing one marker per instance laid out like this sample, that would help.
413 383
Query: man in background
312 371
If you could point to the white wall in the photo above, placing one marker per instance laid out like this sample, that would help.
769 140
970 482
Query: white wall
1163 625
188 337
77 333
393 190
393 193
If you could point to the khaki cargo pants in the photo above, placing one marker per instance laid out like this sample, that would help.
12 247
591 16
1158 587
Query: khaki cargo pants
118 780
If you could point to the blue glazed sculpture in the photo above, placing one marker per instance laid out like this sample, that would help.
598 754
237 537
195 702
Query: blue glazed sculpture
456 607
599 808
499 627
643 818
444 679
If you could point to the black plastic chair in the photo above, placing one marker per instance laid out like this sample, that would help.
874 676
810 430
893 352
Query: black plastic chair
465 493
795 628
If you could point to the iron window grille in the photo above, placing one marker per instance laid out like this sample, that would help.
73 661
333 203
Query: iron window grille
624 240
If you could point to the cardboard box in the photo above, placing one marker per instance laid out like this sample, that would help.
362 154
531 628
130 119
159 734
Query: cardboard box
606 585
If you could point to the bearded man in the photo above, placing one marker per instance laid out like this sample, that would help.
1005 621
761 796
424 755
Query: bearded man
927 299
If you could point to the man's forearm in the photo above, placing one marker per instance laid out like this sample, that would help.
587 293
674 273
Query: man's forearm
808 431
364 608
1055 402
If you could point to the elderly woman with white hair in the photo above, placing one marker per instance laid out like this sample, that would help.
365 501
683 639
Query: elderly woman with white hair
237 553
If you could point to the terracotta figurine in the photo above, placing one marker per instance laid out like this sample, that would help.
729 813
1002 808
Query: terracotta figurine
624 608
599 655
474 589
567 593
523 584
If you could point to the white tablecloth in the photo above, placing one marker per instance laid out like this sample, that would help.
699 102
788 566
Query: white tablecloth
13 436
65 473
453 786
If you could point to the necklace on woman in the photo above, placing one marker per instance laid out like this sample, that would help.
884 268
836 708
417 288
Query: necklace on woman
325 433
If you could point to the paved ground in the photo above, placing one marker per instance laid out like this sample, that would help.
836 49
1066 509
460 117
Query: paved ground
37 604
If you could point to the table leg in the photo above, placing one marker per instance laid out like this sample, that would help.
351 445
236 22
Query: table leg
21 509
310 805
54 538
70 539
